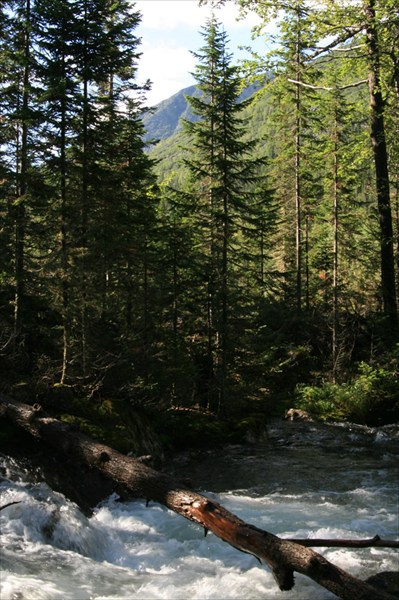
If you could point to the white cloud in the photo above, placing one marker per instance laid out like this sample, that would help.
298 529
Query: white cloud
171 14
229 14
168 67
170 30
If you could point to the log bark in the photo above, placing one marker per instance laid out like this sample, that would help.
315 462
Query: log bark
283 557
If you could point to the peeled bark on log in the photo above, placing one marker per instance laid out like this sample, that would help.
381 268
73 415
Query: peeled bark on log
283 557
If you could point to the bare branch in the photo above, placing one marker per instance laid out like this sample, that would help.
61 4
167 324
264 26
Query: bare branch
328 89
312 87
9 504
349 48
350 32
355 84
340 543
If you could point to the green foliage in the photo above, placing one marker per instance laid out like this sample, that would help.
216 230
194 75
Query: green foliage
325 402
219 208
231 275
371 397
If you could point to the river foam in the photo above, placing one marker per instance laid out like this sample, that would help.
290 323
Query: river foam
127 551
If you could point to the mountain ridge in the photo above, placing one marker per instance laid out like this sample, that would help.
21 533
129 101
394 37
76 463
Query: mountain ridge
164 119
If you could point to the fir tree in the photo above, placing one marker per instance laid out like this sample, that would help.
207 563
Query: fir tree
222 197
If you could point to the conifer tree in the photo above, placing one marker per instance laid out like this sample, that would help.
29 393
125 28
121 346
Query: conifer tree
336 234
17 112
91 159
123 208
7 192
293 176
222 196
373 23
56 27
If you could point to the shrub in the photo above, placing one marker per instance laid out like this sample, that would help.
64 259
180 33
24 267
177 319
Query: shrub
372 397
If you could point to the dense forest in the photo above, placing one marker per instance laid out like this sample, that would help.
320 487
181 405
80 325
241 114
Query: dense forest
244 265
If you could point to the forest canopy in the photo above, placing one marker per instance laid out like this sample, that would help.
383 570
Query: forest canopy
247 263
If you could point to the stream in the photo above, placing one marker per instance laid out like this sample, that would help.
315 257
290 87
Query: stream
305 480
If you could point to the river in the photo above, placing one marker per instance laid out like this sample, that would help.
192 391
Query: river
305 480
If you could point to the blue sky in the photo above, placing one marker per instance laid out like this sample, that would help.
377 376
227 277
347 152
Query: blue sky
170 29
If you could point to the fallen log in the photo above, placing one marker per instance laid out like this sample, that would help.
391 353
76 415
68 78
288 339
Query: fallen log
283 557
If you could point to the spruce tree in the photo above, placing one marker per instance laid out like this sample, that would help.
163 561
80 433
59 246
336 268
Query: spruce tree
95 178
293 176
18 121
56 32
221 199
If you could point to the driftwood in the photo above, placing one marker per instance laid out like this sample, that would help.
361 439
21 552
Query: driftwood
283 557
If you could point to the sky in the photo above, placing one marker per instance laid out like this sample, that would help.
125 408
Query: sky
170 29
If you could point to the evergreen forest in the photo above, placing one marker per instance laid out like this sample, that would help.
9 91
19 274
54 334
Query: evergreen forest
246 264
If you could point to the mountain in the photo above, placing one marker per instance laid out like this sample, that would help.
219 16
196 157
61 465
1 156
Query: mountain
164 125
163 120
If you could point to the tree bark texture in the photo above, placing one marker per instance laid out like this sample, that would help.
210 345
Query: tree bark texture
283 557
22 179
378 140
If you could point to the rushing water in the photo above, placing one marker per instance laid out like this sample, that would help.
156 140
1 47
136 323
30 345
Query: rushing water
305 481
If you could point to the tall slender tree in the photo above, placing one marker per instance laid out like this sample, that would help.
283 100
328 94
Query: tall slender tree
17 92
292 172
378 139
56 23
222 198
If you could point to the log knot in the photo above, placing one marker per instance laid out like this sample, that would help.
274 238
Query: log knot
36 411
210 506
104 457
145 459
375 539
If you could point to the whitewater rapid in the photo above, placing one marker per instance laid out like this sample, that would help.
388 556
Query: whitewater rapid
126 551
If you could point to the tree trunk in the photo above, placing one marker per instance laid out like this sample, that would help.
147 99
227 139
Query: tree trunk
378 140
84 192
140 481
336 186
22 174
298 150
64 220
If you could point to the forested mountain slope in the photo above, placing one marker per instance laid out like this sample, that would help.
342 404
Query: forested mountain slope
164 120
165 125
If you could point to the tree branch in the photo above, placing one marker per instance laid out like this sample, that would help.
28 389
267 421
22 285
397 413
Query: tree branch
342 543
349 33
328 89
9 504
